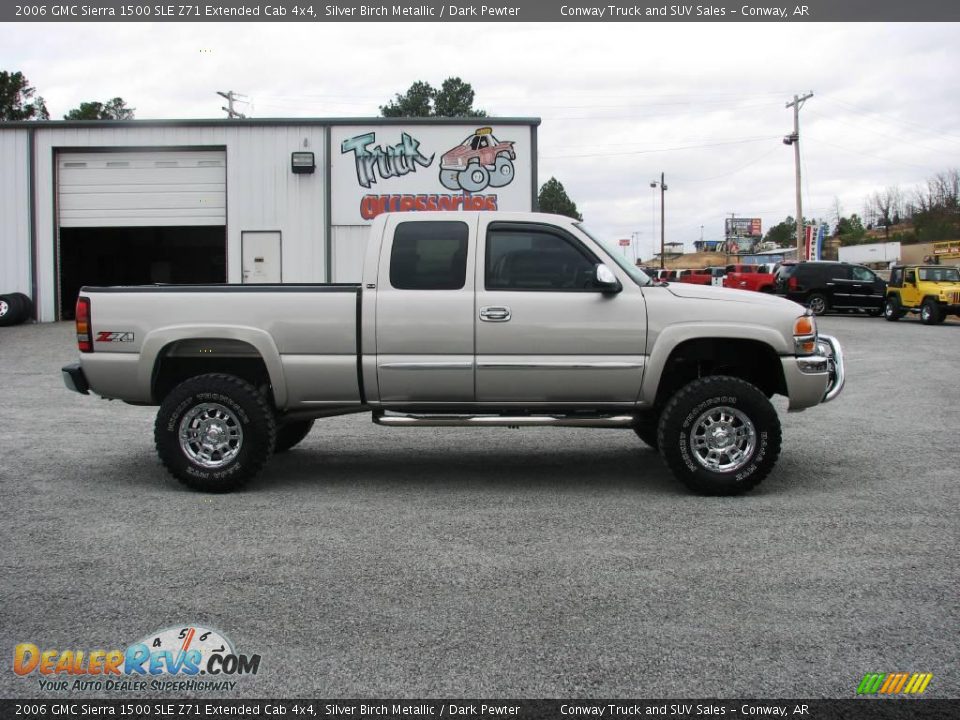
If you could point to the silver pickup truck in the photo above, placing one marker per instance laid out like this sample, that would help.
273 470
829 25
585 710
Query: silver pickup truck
462 319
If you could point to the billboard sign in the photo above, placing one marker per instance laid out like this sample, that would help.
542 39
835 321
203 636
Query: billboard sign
742 227
397 168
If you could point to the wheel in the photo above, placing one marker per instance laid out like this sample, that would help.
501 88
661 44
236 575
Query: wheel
719 435
450 179
502 172
930 312
817 302
214 432
475 178
13 310
646 428
891 309
291 434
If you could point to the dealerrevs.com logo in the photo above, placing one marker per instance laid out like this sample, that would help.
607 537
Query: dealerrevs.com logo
191 658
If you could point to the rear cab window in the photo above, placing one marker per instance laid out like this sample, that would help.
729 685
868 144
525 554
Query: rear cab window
429 255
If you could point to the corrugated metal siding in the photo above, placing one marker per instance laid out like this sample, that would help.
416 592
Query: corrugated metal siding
349 250
14 211
142 189
262 192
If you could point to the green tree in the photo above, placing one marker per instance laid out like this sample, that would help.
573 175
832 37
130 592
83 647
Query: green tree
115 109
554 199
453 99
851 230
18 100
783 234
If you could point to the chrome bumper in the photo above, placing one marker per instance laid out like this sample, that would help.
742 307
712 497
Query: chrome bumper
828 359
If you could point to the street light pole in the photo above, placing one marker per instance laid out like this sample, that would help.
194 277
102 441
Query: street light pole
663 189
794 139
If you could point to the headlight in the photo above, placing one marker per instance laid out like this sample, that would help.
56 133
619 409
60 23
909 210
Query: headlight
805 335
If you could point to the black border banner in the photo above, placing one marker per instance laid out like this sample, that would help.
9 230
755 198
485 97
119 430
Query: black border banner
481 11
434 709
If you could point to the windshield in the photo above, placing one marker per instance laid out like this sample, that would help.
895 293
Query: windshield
940 274
635 273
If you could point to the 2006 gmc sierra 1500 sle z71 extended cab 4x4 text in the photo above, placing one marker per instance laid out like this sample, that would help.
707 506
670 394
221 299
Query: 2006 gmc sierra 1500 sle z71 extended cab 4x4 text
473 319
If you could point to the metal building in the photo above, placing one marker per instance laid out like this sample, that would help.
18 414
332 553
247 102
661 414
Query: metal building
186 201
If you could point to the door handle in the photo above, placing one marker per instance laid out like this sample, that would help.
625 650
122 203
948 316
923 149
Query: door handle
495 314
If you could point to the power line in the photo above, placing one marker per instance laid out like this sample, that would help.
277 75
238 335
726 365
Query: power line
232 97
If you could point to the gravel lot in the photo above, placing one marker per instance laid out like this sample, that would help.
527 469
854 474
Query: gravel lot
538 562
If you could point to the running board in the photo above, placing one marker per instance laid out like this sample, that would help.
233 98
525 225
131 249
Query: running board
599 421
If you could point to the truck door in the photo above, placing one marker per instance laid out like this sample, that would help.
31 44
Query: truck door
545 333
424 315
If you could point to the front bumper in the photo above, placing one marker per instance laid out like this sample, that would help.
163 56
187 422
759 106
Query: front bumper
74 378
815 379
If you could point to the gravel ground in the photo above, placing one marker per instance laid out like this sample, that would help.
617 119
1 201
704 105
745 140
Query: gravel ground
502 563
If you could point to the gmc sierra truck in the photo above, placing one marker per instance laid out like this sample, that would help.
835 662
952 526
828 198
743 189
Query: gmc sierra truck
475 319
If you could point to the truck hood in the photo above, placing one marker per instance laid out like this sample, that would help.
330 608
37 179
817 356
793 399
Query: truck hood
712 292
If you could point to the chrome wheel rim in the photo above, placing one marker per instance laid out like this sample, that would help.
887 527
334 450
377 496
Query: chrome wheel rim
3 307
925 312
723 439
816 304
210 435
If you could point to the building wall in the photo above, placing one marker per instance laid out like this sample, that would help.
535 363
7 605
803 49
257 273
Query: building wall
262 192
15 212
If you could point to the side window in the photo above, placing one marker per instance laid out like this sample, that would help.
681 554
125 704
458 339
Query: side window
862 274
429 256
896 277
534 259
911 276
839 272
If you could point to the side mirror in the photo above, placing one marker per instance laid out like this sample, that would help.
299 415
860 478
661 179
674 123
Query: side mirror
606 280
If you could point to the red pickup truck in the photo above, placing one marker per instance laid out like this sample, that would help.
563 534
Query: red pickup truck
748 277
704 276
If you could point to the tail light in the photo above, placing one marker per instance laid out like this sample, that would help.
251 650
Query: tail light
84 326
792 283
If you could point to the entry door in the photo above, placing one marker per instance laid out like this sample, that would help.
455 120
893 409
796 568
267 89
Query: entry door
424 315
545 332
261 257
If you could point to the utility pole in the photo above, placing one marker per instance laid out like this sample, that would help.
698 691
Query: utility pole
231 98
663 189
794 139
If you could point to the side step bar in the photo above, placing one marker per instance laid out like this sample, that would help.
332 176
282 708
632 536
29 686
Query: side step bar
600 421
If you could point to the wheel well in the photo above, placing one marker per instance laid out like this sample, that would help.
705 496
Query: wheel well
184 359
750 360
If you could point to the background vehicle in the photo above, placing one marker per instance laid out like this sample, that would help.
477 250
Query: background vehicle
748 277
933 291
15 308
824 286
705 276
468 319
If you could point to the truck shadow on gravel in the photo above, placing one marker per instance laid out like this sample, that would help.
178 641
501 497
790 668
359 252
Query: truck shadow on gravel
639 469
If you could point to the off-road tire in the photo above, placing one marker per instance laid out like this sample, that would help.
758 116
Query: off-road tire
502 173
291 433
930 312
13 310
891 309
251 412
698 397
474 184
818 303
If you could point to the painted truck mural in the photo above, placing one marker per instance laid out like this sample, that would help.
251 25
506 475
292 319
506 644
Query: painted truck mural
442 167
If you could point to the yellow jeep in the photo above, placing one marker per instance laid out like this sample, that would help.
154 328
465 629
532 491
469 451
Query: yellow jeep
931 290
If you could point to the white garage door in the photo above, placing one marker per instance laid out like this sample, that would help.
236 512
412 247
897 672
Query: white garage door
140 189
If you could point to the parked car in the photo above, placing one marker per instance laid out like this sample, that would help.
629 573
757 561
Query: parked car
462 319
705 276
748 277
825 285
932 291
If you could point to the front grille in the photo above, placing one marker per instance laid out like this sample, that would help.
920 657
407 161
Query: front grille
956 298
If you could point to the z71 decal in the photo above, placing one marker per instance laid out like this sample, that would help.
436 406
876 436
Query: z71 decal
114 337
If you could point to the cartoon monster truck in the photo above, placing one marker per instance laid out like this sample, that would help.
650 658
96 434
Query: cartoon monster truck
477 162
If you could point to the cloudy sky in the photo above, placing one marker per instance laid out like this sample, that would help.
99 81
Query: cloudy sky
620 102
